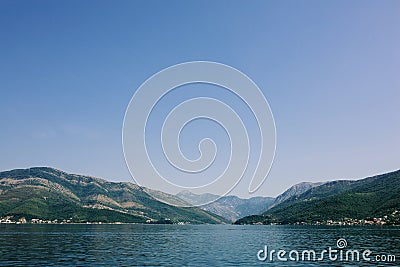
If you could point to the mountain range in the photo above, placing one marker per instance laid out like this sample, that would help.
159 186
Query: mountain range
368 198
229 207
47 193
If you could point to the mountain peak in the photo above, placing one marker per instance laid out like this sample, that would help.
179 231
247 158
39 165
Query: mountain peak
295 190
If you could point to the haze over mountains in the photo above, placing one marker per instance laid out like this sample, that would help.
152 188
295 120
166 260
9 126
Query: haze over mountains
229 207
234 208
47 193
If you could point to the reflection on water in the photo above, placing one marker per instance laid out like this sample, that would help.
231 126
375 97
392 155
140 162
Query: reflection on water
180 245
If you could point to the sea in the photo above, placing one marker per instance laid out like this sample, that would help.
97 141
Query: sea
197 245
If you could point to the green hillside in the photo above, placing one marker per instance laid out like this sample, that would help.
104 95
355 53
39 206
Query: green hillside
47 193
371 197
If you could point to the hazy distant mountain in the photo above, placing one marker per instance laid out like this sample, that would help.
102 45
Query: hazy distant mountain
233 207
229 207
47 193
196 199
376 196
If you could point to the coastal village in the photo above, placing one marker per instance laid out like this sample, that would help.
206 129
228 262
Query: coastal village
11 220
392 219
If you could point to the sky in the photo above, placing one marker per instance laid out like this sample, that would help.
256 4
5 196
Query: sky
329 70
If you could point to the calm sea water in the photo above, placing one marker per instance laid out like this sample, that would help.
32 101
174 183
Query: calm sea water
183 245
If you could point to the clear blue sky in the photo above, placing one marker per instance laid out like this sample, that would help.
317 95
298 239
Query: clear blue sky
329 69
